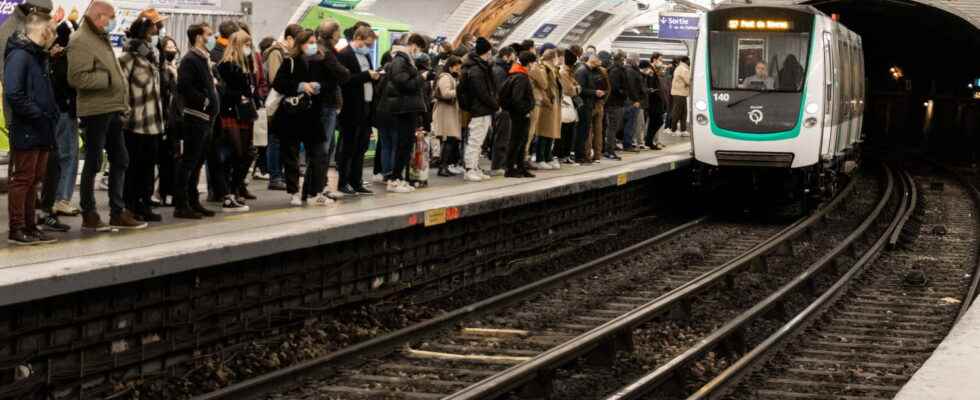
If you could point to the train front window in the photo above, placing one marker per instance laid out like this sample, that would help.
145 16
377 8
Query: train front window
758 61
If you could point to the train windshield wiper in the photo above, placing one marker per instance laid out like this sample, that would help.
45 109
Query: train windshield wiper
739 101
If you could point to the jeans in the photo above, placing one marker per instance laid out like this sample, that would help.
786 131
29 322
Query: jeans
104 132
328 120
615 116
567 140
387 141
519 129
28 168
479 126
197 135
272 156
404 143
631 116
66 136
544 150
139 178
582 131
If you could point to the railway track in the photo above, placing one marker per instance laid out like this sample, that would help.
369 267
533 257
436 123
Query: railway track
889 317
490 340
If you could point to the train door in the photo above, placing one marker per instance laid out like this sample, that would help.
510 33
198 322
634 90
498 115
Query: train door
835 92
828 143
858 97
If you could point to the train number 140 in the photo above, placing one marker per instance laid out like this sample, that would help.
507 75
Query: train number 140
722 97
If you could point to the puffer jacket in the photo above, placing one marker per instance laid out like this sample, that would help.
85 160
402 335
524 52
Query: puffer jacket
402 93
478 87
95 73
27 89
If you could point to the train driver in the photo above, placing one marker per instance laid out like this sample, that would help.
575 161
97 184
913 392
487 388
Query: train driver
761 80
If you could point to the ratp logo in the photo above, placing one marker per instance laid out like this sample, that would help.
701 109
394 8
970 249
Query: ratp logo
756 116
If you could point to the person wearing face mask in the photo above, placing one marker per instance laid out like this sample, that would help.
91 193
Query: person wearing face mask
171 132
102 100
237 120
274 57
144 124
548 96
445 115
293 79
478 97
330 74
401 99
32 122
355 116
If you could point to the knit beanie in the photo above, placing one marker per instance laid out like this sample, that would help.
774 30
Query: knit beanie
483 46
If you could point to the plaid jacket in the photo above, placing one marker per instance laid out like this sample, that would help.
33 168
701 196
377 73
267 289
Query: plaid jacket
145 102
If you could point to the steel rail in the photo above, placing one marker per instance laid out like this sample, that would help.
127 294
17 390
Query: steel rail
264 383
540 366
721 384
913 192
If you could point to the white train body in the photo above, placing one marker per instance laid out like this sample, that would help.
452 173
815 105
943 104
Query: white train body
803 115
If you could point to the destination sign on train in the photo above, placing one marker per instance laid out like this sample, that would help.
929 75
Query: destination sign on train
758 25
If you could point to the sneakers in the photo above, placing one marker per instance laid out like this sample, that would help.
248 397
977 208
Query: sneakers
347 190
40 237
527 174
64 208
363 191
399 186
473 175
484 175
378 178
51 223
92 222
260 176
102 182
277 185
456 170
197 207
126 220
296 200
149 216
231 205
321 200
555 164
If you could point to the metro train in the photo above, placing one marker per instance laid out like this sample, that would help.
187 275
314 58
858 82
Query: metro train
778 97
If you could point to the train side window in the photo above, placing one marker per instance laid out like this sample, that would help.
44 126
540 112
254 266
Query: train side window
828 73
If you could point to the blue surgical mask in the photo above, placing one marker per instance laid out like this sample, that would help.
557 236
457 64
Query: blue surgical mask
364 51
111 27
310 49
155 40
212 42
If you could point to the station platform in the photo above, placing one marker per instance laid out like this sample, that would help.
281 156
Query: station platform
81 260
951 372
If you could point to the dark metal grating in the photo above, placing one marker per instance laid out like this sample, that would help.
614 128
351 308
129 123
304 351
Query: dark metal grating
754 159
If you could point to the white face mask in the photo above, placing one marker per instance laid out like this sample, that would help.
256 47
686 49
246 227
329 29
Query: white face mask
247 51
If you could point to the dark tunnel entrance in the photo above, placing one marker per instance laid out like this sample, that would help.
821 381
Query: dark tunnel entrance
927 102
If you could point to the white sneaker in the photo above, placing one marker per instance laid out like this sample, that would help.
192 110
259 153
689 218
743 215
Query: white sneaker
378 178
320 200
102 182
258 175
296 200
399 187
473 175
457 170
407 185
485 175
555 164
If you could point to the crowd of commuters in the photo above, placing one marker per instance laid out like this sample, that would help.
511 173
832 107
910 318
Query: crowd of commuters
237 109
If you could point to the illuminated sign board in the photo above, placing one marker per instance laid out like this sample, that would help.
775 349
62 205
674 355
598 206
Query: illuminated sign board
758 25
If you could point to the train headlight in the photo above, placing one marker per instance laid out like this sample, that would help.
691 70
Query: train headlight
810 122
701 105
812 108
702 119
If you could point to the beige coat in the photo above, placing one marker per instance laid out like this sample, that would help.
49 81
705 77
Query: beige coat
569 85
681 85
547 95
445 114
95 73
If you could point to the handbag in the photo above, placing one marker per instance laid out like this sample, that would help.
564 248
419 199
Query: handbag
245 110
568 111
293 105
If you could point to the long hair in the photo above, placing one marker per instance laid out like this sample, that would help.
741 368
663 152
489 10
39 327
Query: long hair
235 53
299 42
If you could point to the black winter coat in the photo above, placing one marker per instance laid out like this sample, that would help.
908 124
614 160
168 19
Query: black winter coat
195 86
330 74
353 112
636 87
306 125
501 69
402 93
587 80
238 85
477 87
27 89
618 84
518 97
